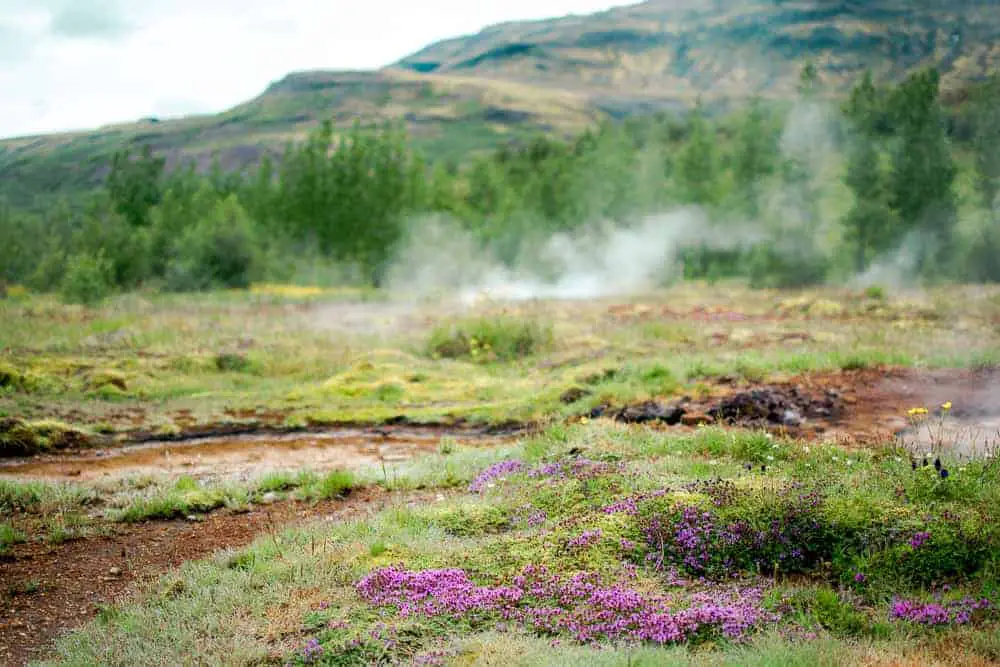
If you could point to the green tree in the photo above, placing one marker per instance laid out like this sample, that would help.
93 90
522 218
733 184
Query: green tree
756 146
135 184
868 227
923 173
697 164
986 141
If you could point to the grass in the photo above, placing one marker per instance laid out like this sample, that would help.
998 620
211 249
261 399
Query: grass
872 504
338 357
9 536
490 339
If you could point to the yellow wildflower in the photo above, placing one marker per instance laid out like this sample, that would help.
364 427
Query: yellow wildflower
946 406
913 412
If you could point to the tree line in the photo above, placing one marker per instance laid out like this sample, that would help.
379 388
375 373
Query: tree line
827 195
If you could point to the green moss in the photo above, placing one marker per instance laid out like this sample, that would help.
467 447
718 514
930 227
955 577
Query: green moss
21 438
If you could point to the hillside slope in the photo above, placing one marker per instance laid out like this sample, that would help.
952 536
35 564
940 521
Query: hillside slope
556 75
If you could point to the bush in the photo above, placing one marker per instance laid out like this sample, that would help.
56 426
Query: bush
221 250
770 268
87 279
503 338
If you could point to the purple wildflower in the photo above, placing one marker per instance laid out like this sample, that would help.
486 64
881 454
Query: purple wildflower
919 539
585 539
957 612
312 651
495 471
860 578
580 606
537 518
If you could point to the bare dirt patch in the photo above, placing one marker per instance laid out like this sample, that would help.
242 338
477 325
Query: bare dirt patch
852 407
239 457
48 590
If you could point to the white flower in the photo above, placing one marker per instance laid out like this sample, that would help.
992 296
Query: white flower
850 462
805 449
770 458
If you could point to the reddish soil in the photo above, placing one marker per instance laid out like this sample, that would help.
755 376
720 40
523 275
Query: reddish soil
852 407
46 590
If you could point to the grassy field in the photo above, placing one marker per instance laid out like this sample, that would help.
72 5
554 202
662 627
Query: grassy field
581 538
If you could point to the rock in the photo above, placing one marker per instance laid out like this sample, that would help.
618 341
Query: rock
651 411
696 419
269 498
598 412
573 394
791 418
115 572
192 517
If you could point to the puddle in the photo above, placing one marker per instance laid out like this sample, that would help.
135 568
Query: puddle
243 456
973 438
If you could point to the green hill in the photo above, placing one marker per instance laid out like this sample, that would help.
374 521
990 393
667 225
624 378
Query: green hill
557 76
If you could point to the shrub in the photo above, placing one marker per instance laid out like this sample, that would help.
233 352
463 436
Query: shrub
503 338
87 279
220 250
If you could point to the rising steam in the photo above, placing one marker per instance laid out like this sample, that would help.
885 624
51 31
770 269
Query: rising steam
441 258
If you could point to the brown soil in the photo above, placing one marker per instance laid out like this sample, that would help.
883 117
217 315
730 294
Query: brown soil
853 408
46 590
239 456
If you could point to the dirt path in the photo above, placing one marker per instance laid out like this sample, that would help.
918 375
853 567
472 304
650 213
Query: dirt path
46 590
237 457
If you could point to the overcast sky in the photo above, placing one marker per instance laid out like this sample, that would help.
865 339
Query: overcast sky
68 64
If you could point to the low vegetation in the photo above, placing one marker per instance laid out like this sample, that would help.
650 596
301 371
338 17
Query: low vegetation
602 535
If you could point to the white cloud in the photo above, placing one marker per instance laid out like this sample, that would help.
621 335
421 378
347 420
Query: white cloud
68 64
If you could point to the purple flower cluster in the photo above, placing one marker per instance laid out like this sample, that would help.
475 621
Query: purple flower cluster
695 538
630 505
585 539
575 469
312 651
919 539
537 518
957 612
495 471
579 606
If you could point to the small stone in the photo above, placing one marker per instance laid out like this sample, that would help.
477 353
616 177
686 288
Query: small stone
192 517
791 418
115 572
696 419
269 498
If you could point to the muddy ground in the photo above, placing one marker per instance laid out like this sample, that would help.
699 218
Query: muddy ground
50 589
864 407
243 456
854 408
